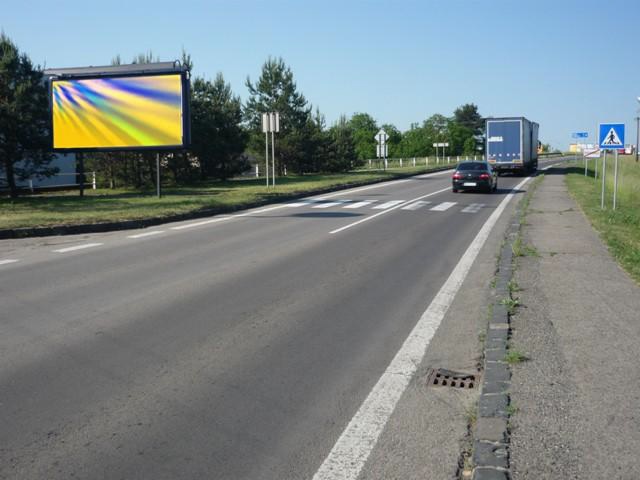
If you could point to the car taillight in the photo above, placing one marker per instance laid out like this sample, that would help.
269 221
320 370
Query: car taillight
484 176
457 176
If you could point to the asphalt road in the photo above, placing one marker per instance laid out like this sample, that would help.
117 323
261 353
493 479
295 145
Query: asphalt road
233 347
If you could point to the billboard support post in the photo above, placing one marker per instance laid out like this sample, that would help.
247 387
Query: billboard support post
158 186
80 158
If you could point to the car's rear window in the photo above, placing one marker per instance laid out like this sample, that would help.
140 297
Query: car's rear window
472 166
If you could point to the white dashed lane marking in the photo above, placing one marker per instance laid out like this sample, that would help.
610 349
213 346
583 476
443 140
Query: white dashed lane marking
8 261
473 208
78 247
443 206
416 205
386 205
146 234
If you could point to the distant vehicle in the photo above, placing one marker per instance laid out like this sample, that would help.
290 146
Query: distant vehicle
512 144
475 176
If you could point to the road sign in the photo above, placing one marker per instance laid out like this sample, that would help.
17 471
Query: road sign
445 144
382 151
381 137
580 134
591 153
611 136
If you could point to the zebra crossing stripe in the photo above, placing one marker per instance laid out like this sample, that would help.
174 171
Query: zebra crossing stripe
443 206
361 204
416 205
331 204
386 205
473 208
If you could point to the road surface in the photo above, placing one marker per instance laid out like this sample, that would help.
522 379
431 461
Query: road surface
239 346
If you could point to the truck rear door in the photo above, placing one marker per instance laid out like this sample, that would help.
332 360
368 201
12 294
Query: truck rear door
504 141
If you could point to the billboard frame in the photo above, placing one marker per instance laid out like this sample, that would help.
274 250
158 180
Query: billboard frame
128 71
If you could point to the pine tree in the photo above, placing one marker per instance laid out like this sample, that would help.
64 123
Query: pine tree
276 91
25 124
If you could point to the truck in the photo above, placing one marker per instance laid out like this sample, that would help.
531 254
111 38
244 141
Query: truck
512 144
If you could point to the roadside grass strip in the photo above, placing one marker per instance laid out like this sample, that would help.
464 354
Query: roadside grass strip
352 449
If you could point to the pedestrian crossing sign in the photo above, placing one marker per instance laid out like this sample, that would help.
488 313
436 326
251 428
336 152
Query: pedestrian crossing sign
611 136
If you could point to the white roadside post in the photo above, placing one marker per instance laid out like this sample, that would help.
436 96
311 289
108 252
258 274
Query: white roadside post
414 161
265 129
275 128
381 137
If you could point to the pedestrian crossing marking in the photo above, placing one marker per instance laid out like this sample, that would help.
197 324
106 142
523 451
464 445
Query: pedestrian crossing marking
374 205
443 206
473 208
384 206
416 205
361 204
331 204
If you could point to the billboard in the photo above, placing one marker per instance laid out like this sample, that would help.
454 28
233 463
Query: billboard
126 112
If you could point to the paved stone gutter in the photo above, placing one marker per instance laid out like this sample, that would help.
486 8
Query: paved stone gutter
208 212
491 433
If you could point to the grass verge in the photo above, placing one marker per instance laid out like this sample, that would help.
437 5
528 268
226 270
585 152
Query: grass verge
620 229
104 205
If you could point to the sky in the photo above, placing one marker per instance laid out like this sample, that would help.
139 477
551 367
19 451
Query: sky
565 64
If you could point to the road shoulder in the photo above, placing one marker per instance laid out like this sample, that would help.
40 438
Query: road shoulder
429 429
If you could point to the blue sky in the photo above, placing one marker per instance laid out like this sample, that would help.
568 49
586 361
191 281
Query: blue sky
565 64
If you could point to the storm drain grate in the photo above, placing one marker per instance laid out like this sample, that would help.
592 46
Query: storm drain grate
439 377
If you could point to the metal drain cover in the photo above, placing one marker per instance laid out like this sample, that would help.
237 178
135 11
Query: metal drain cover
440 377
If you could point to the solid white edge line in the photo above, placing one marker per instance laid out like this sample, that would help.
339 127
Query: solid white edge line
8 261
355 444
78 247
146 234
338 230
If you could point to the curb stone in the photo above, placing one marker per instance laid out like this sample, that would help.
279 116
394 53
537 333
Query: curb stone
207 212
491 432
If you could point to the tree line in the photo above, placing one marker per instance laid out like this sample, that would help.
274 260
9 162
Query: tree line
226 132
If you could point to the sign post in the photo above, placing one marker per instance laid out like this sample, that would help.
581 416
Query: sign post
270 124
442 145
611 137
381 149
265 129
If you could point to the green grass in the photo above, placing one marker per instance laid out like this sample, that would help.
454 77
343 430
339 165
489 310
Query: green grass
620 229
511 304
104 205
515 356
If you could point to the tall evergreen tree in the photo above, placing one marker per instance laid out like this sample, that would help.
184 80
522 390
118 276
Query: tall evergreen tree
25 125
343 152
218 140
364 130
276 91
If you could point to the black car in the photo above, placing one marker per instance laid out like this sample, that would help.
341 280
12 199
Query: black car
475 176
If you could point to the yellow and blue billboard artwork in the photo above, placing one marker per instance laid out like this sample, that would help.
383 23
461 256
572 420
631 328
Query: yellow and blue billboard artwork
117 112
